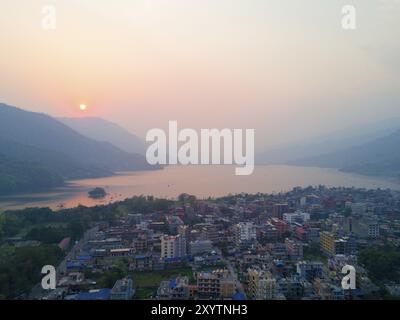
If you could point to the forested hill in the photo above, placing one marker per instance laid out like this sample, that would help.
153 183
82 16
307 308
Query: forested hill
38 151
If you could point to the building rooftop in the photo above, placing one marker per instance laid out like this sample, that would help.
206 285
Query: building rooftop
100 294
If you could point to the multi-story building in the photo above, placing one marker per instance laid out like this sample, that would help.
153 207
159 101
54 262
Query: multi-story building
261 285
364 227
135 218
208 285
174 289
227 288
209 232
313 234
121 253
278 210
245 232
333 245
281 226
301 233
296 217
269 232
216 284
141 243
173 223
309 270
143 262
294 249
358 208
328 291
200 246
327 242
122 290
173 246
293 287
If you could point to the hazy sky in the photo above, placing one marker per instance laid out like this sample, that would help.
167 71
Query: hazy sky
283 67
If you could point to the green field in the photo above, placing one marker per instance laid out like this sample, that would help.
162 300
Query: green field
147 283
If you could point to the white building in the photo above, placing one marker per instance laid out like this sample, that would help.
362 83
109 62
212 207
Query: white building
299 217
173 246
245 231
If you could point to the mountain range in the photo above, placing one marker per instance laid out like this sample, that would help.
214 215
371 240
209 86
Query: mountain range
371 149
103 130
335 141
379 157
38 152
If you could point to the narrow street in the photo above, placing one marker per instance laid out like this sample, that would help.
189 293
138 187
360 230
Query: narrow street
232 271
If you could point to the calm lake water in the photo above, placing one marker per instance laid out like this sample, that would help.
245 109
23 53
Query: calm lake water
202 181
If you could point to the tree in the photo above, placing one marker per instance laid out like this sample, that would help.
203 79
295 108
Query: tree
382 264
22 270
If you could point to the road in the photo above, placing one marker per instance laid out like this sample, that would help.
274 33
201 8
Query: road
231 269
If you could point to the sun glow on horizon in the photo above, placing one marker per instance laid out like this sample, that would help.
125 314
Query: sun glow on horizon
83 107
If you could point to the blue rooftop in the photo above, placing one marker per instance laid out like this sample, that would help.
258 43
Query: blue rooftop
83 258
239 296
74 265
172 283
102 294
280 264
173 259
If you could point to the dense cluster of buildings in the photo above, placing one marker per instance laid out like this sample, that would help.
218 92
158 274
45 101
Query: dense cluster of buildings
284 246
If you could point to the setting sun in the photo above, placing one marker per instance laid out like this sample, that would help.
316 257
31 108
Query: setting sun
83 107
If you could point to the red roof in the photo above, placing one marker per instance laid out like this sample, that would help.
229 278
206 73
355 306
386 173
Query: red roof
64 243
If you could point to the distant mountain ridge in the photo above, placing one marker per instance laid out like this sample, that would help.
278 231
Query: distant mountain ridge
329 143
380 157
106 131
33 142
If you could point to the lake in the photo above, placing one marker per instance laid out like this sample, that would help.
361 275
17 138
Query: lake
202 181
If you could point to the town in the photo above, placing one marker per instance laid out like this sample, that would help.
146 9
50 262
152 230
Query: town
284 246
